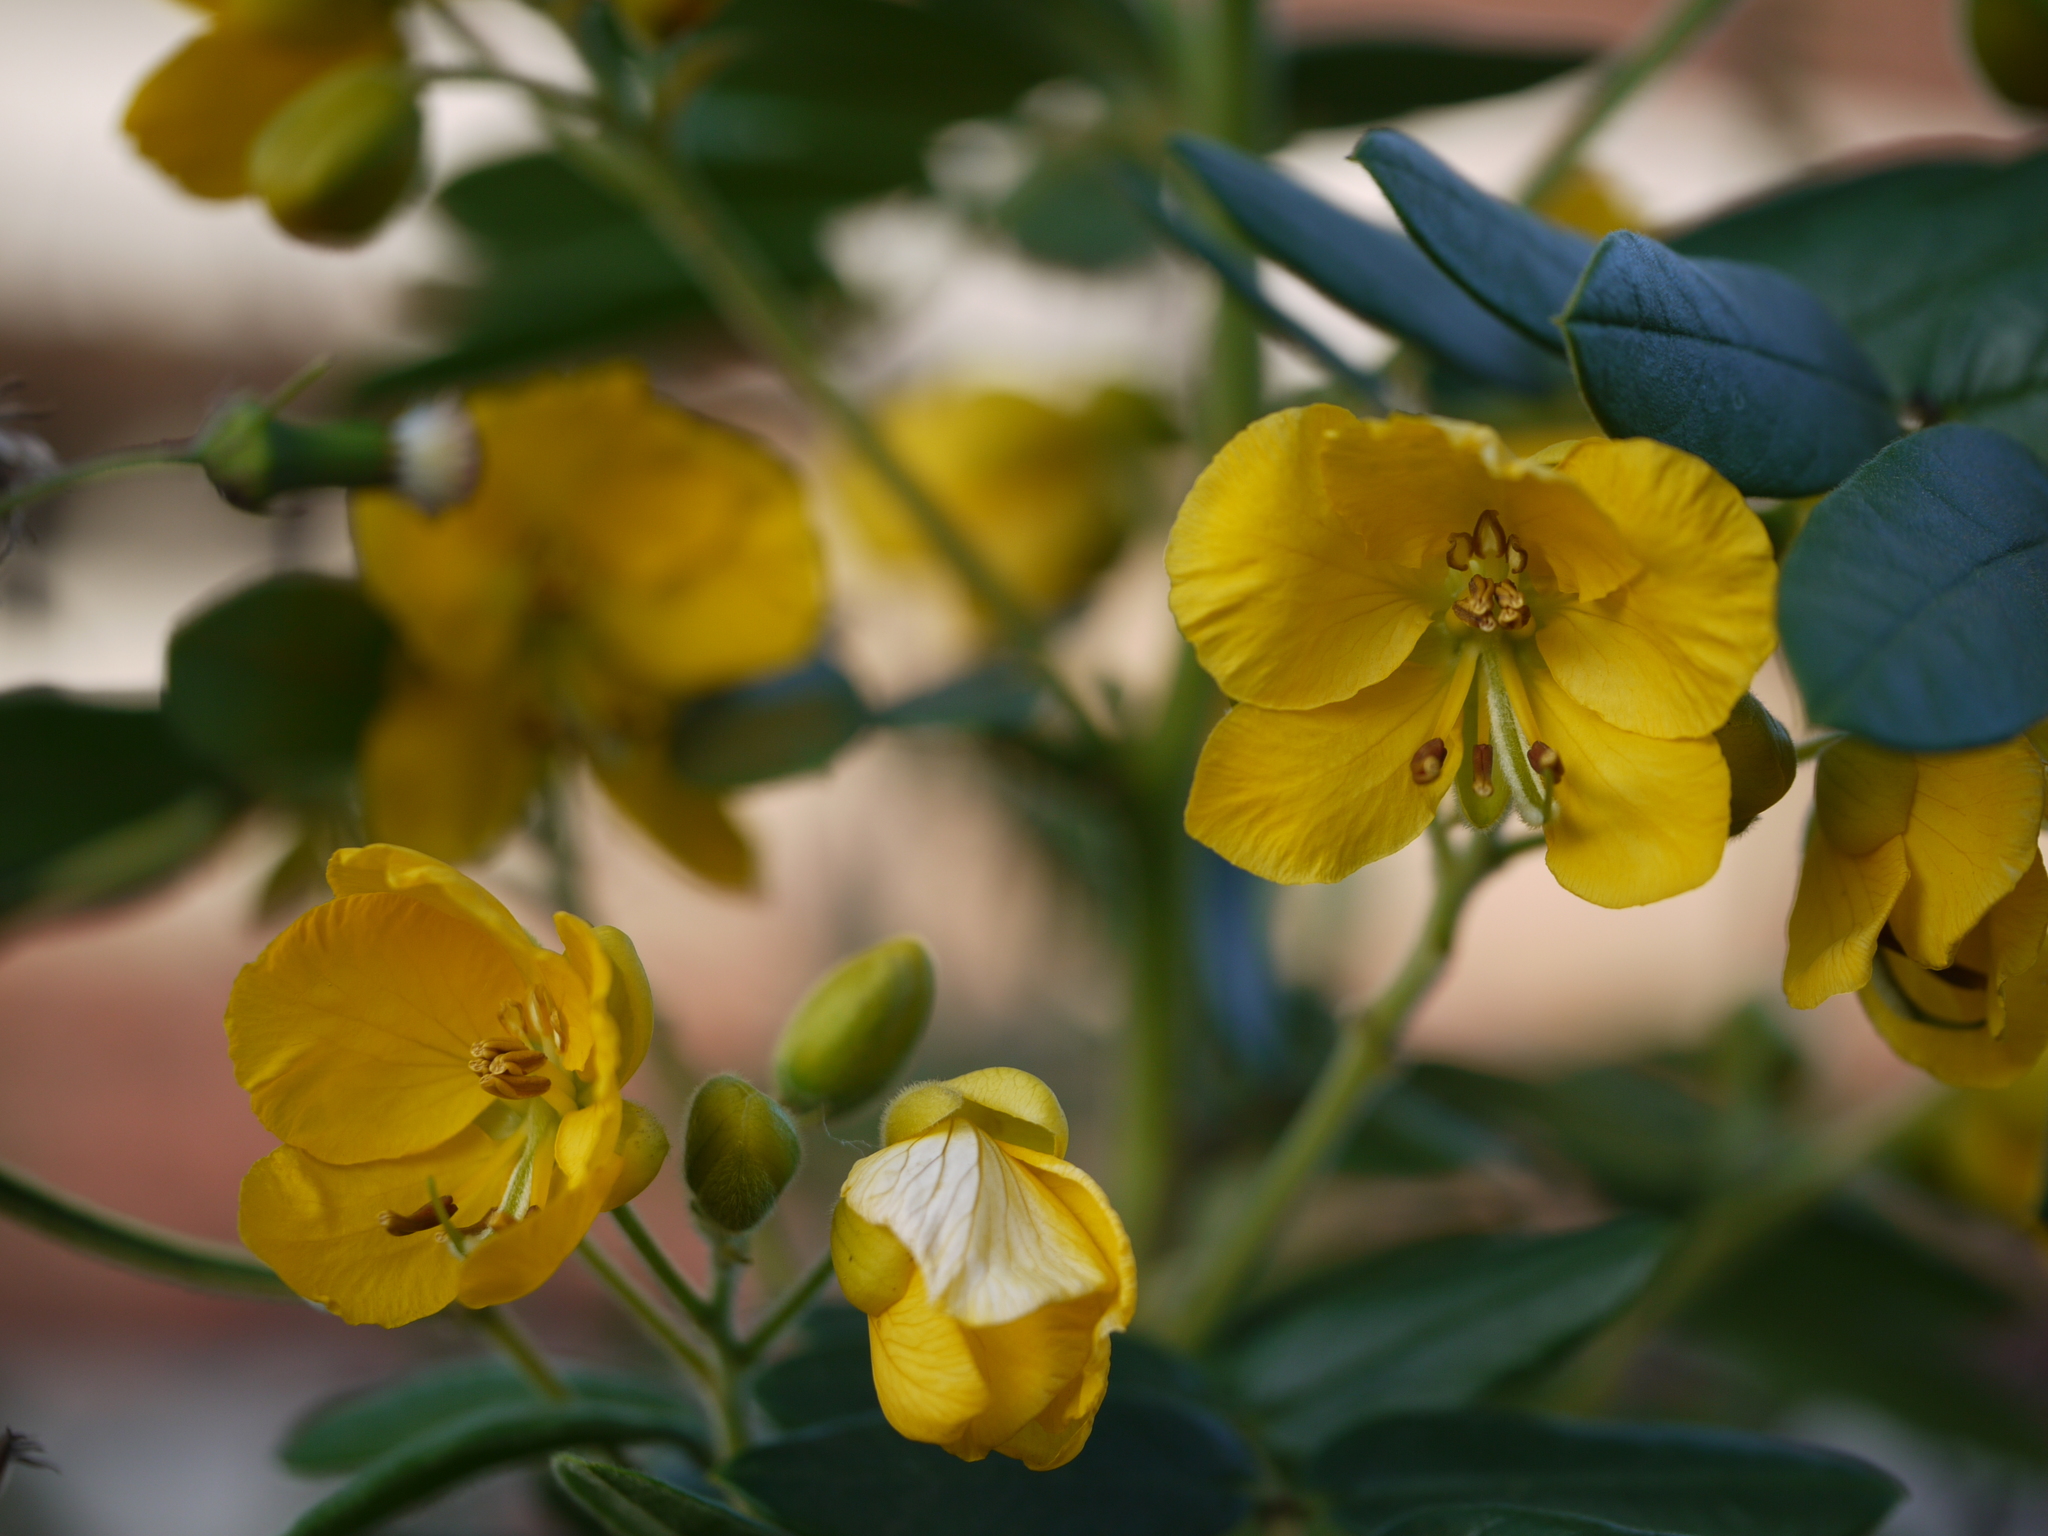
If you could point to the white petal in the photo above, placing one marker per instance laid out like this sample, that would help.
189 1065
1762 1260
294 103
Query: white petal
992 1244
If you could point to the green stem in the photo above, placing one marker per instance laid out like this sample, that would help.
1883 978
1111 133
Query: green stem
651 1317
663 1268
1357 1067
1620 78
158 455
787 1309
555 827
520 1349
136 1245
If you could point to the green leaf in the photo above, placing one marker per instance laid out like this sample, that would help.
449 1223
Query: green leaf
1375 273
791 723
97 802
1347 81
477 1442
1735 363
1002 697
1071 211
629 1503
1152 1467
1939 268
1501 1520
1431 1326
1410 1131
1913 604
275 684
1681 1480
1518 265
349 1432
830 1378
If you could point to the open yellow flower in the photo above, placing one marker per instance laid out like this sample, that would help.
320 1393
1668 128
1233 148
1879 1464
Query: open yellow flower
447 1091
618 556
992 1271
1399 605
1923 892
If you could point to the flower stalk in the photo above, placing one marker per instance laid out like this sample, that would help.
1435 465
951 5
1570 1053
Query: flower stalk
518 1346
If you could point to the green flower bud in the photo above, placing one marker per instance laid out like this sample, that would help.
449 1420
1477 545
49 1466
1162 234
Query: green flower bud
2010 39
1761 761
251 456
739 1151
848 1037
340 155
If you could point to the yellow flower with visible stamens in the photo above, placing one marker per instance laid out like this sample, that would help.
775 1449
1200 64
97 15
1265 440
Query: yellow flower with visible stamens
992 1271
617 557
447 1091
1924 893
1403 604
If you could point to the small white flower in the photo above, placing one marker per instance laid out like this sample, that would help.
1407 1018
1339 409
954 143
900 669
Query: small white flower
435 453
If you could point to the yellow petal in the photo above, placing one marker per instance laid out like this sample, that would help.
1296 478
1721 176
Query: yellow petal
991 1243
381 868
630 1000
1637 818
1274 588
513 1263
1026 1365
2016 931
1310 795
458 585
1863 795
1668 652
197 115
874 1268
447 768
316 1225
351 1032
642 1146
687 821
1015 1108
1841 908
925 1373
1975 822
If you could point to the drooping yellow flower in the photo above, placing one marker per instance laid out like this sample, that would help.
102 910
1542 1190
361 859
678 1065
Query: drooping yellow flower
445 1089
992 1271
1397 605
619 555
1923 892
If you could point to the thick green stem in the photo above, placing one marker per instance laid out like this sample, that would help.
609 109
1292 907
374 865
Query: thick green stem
520 1349
136 1245
663 1268
650 1316
1356 1069
157 456
787 1309
1620 78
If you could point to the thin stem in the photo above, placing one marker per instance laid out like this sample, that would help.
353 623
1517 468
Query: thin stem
787 1309
1357 1067
663 1268
1620 78
523 1352
651 1317
556 828
159 454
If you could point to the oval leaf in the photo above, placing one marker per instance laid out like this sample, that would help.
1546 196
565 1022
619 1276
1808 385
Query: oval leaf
1502 1520
1737 364
629 1503
1683 1480
1912 606
781 725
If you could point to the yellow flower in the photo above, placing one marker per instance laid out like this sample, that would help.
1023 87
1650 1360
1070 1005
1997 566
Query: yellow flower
1382 596
618 555
200 114
1923 892
409 1045
1043 496
993 1272
1986 1149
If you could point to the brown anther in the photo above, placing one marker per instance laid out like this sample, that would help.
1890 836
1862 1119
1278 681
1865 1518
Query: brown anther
1475 606
1544 759
1482 770
514 1087
484 1050
518 1063
420 1220
1459 556
1518 557
1489 537
1427 765
1510 605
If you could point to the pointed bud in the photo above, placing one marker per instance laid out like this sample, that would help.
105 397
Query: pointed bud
435 454
1761 761
644 1145
739 1153
340 155
849 1036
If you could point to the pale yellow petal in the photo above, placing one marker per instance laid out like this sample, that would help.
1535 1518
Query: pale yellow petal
1975 821
447 768
1841 908
925 1373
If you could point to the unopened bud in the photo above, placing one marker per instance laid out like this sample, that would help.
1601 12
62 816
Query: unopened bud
252 456
644 1145
1761 761
848 1037
340 155
1427 765
739 1152
435 454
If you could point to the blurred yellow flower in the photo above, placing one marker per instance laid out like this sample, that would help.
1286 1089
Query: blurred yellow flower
1043 496
617 556
1923 892
1401 604
447 1091
993 1272
1987 1149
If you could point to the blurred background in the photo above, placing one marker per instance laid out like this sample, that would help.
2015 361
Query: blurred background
128 309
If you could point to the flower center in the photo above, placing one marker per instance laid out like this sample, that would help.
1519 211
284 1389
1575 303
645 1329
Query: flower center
1491 600
508 1066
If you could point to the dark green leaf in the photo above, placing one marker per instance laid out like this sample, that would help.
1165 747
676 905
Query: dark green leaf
97 801
351 1431
1938 268
1431 1326
275 684
1500 1520
1003 696
830 1378
786 724
1668 1478
1071 210
1733 362
479 1441
629 1503
1153 1467
1410 1131
1346 81
1518 265
1912 606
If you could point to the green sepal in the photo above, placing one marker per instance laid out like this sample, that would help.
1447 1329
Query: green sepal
1761 761
252 456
